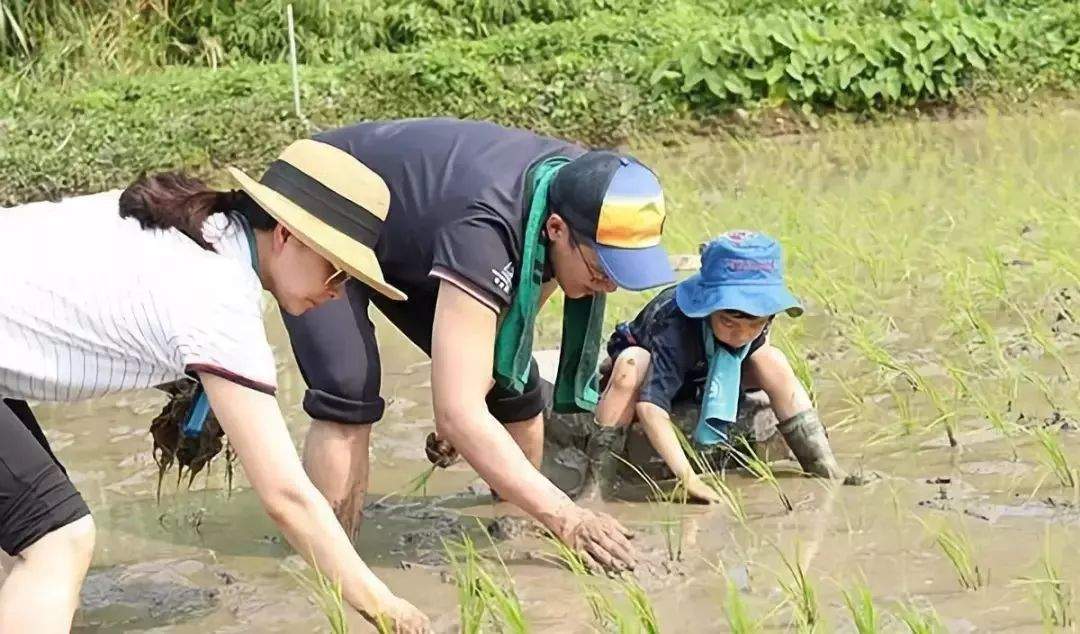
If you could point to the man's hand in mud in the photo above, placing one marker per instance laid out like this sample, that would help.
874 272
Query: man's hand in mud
440 452
597 537
401 617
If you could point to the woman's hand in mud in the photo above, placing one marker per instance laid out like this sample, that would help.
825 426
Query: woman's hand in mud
698 491
399 616
439 451
597 537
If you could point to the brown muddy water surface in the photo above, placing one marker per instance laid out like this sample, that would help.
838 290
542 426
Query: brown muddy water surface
940 252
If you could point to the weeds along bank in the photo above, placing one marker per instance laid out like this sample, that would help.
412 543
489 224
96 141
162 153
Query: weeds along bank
94 92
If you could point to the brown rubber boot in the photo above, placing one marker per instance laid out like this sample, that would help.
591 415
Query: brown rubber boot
805 436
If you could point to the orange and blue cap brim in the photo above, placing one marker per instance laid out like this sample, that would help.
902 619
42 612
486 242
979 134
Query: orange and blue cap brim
636 269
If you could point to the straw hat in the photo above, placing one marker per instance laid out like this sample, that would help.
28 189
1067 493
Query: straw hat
332 202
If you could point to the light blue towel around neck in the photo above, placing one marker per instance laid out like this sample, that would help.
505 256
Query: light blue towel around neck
720 398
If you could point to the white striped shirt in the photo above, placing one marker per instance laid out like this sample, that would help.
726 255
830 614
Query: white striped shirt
92 304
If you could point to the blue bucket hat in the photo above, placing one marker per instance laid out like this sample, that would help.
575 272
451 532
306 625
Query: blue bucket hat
740 270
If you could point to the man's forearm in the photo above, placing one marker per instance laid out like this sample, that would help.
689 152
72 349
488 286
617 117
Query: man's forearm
490 450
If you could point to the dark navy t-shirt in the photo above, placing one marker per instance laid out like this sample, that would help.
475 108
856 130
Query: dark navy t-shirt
456 190
678 366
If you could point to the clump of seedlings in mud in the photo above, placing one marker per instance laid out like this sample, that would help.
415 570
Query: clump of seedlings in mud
860 604
920 621
483 598
1051 592
326 594
745 456
956 546
801 593
639 616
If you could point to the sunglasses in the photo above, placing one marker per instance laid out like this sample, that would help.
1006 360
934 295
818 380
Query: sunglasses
336 279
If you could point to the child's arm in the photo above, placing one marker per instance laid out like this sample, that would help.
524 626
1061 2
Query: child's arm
658 427
800 424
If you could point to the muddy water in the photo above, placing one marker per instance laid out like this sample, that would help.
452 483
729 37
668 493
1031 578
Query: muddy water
201 561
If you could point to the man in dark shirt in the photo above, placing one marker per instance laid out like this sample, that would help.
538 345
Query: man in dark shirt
453 242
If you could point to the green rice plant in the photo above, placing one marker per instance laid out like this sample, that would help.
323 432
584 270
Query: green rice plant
1038 331
860 603
957 548
600 604
798 359
1055 460
480 595
327 597
997 420
920 621
761 470
801 593
1051 593
672 520
736 611
641 605
417 483
731 498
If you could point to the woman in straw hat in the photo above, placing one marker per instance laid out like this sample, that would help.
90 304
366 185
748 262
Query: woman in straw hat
486 223
88 307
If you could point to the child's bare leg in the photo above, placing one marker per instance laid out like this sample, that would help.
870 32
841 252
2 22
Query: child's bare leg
613 413
616 406
800 424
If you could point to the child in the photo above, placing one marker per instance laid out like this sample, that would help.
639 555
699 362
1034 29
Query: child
707 339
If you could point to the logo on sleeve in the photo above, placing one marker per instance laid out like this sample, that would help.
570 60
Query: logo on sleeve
504 279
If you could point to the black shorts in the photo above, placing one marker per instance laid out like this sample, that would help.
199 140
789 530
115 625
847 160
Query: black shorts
338 356
36 496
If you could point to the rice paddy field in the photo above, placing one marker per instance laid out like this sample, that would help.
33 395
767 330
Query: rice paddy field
939 265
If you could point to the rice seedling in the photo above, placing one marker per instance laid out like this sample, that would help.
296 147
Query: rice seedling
762 471
1056 461
1040 333
920 621
326 595
997 420
600 604
860 603
957 548
736 611
480 595
801 593
417 483
672 520
641 606
731 498
1051 593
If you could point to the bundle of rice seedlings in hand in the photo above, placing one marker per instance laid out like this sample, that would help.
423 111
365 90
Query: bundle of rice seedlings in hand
191 452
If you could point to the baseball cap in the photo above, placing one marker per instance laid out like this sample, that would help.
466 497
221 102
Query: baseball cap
618 204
